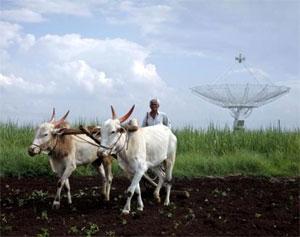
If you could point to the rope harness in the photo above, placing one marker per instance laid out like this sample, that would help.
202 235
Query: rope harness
115 144
49 151
97 141
67 132
93 144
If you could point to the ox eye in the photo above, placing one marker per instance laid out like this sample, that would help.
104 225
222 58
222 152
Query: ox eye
112 132
46 134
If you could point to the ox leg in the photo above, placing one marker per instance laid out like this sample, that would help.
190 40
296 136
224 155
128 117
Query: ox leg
168 181
98 164
161 177
101 171
130 191
67 185
109 178
139 198
61 182
107 163
126 208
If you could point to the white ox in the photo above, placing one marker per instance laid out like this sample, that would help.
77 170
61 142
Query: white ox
66 152
137 151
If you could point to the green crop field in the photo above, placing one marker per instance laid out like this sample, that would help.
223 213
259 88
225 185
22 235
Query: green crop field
212 151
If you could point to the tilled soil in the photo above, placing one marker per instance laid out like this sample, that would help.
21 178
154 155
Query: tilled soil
235 205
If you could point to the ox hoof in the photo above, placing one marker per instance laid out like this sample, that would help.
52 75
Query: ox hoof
166 203
56 205
140 208
103 196
125 212
157 199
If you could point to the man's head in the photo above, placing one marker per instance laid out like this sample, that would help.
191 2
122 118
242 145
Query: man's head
154 105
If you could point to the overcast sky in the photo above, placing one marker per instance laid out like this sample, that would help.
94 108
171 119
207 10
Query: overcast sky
84 56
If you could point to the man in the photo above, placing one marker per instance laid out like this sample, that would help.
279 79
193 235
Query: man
154 116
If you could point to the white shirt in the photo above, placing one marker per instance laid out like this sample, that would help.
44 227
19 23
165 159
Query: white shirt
160 118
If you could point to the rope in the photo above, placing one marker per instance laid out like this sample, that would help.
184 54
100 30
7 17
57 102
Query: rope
51 150
97 145
112 147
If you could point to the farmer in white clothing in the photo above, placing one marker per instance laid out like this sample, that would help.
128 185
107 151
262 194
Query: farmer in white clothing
154 116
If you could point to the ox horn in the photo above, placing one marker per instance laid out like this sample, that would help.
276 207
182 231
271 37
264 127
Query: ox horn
113 113
126 116
52 116
57 123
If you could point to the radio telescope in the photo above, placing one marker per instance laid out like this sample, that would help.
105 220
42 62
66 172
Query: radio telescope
242 93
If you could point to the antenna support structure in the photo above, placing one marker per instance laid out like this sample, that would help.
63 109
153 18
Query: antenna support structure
240 97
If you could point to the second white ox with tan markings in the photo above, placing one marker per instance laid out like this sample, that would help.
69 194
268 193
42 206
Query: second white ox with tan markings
139 150
66 152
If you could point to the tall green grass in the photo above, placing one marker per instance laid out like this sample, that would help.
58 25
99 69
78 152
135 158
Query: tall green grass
211 151
269 152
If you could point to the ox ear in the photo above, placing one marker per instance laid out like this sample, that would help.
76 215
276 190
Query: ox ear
132 125
59 122
94 130
126 116
131 128
113 113
121 130
52 116
58 131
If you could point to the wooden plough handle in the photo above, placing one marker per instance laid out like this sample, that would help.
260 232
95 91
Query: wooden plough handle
72 131
89 134
81 130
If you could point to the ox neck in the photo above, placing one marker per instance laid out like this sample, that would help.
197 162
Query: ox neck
52 149
122 144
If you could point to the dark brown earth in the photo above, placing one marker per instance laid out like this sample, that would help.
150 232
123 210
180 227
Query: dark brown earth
236 205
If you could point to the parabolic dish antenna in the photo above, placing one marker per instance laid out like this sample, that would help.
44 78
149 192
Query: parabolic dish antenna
241 93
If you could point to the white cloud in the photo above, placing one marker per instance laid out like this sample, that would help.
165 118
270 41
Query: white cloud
74 71
9 33
168 47
96 60
149 17
146 71
36 8
86 76
12 36
26 42
13 82
21 15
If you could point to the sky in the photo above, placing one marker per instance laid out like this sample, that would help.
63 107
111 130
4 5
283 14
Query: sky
84 56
